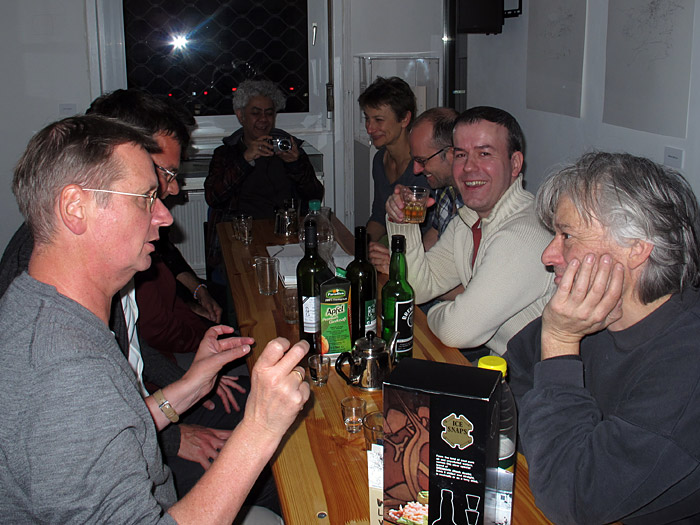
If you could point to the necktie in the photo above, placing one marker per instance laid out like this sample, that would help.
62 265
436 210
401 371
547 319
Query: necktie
476 234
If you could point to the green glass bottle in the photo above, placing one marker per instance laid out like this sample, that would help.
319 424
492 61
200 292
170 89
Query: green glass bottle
363 289
398 301
311 271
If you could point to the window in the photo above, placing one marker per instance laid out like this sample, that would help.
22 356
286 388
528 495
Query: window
220 44
199 51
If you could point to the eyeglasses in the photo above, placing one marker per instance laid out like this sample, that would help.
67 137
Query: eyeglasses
424 161
150 196
170 175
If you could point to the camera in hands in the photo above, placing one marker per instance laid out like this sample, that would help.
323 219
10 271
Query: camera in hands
280 144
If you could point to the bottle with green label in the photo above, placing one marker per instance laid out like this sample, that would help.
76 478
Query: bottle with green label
312 270
398 301
363 289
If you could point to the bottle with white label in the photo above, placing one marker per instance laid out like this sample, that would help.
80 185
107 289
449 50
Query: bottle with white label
311 271
398 301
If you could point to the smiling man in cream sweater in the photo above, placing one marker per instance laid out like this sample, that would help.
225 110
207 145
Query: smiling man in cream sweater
492 247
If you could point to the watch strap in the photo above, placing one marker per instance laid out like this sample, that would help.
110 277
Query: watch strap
165 406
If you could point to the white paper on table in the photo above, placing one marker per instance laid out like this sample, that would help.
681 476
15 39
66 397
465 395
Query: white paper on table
375 475
289 256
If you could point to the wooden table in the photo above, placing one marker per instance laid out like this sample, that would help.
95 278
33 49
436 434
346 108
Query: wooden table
320 469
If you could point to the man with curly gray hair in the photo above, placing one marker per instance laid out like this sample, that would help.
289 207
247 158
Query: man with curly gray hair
258 167
607 381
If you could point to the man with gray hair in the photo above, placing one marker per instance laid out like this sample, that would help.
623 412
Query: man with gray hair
78 442
259 166
607 381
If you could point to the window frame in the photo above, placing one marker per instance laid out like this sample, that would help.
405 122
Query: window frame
108 69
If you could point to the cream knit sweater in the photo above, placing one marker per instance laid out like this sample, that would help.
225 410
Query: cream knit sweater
508 286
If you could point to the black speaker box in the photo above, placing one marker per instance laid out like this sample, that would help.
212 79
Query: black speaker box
479 16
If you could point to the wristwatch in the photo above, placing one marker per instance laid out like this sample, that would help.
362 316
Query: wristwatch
165 406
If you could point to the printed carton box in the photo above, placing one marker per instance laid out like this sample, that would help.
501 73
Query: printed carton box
335 316
440 441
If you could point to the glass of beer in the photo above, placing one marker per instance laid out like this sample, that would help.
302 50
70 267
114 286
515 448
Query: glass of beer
414 199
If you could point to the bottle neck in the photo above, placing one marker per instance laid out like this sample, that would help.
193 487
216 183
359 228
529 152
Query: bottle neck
311 248
397 266
310 239
361 246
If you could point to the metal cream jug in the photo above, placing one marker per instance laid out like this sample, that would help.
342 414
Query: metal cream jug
370 362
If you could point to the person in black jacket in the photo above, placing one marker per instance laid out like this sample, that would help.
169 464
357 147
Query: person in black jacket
607 381
258 167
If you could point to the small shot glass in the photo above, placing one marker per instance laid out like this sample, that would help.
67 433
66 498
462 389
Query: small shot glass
353 409
319 369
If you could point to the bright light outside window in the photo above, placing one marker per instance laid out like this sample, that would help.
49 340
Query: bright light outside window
199 51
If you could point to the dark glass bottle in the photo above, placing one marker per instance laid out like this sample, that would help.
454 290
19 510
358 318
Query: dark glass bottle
363 289
311 271
398 301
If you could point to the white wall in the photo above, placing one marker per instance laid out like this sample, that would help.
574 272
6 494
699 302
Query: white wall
376 26
44 60
497 77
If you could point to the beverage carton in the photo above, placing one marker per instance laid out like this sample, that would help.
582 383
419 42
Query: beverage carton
441 440
335 318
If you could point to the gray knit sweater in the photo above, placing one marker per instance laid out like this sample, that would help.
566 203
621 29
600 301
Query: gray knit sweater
77 443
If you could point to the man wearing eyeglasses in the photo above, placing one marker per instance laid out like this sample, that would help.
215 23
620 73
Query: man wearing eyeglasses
190 446
430 139
79 442
168 125
492 249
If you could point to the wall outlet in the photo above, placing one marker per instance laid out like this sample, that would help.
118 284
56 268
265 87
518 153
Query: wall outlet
67 110
673 157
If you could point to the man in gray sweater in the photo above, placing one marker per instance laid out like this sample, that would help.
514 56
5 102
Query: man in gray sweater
78 443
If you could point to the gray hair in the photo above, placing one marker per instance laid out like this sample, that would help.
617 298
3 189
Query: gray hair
634 199
443 121
258 88
76 150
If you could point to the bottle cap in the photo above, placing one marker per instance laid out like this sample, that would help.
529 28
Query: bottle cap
398 243
494 362
340 272
315 205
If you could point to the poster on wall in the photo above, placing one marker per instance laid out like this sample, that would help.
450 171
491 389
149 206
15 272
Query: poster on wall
556 35
648 58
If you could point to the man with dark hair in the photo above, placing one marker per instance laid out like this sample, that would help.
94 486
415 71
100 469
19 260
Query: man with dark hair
170 125
389 107
492 249
78 442
607 381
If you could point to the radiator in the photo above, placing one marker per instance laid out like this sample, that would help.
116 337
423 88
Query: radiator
187 231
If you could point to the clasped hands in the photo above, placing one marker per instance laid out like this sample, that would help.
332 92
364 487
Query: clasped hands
588 299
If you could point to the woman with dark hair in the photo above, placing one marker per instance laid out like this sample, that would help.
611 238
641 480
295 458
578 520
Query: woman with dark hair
389 107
